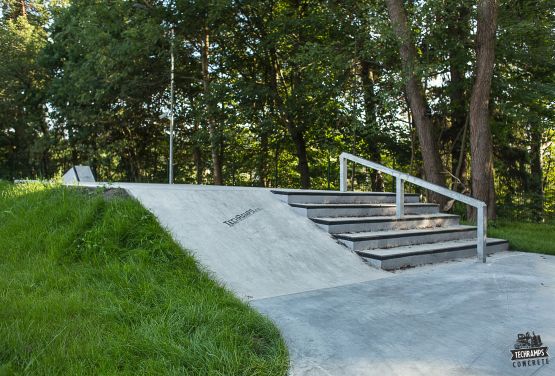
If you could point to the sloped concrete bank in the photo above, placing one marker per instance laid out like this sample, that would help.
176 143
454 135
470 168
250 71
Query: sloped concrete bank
251 241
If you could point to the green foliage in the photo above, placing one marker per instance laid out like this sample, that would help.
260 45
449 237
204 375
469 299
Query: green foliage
92 285
88 81
25 139
524 88
108 88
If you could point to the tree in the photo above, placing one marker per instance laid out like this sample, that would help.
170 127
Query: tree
523 117
269 92
416 96
25 138
109 88
480 131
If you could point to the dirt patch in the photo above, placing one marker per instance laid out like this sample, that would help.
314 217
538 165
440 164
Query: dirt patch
112 193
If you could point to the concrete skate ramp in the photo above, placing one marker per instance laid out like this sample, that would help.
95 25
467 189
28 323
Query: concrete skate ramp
252 243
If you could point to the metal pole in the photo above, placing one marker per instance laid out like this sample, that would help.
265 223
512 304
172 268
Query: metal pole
170 177
342 173
329 169
481 219
399 198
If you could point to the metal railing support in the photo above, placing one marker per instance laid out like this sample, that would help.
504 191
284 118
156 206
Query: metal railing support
481 207
343 174
481 222
399 197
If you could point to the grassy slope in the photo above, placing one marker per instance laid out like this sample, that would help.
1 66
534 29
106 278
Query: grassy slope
89 286
523 236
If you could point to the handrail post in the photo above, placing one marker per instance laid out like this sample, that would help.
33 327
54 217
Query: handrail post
399 197
481 223
400 177
342 173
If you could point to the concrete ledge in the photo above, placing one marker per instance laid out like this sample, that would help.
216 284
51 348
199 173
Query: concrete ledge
360 210
323 197
381 223
397 238
390 259
308 192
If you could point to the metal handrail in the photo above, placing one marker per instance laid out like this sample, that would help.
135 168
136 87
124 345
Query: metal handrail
401 177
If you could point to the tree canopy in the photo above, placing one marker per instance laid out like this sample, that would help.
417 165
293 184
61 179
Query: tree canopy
270 92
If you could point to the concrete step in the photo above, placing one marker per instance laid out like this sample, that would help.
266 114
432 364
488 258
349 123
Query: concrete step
396 238
361 210
337 225
300 196
395 258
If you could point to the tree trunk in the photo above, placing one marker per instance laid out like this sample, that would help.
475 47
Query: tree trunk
212 128
458 123
296 133
416 98
481 148
197 156
23 6
262 158
459 161
370 104
536 181
458 29
300 147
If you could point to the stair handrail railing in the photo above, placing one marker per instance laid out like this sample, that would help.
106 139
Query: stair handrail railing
401 177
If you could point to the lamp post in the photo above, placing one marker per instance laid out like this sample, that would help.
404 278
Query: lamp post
172 105
172 86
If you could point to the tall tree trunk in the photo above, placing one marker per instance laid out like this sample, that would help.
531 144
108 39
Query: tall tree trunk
459 161
197 156
536 181
296 132
212 128
262 158
23 5
458 28
416 98
370 104
300 147
481 147
458 123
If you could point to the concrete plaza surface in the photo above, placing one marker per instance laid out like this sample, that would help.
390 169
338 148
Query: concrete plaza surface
458 318
338 315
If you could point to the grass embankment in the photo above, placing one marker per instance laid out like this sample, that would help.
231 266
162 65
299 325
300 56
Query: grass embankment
525 236
95 286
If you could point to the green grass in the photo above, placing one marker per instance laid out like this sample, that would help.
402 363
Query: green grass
524 236
95 286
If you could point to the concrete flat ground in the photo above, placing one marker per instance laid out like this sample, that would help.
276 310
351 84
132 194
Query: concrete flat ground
457 318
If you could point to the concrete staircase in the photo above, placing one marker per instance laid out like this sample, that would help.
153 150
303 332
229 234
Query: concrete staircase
365 223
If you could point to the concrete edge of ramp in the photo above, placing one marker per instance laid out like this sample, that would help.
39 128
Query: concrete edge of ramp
249 240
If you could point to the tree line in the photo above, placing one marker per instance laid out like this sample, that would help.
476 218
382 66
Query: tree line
270 92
